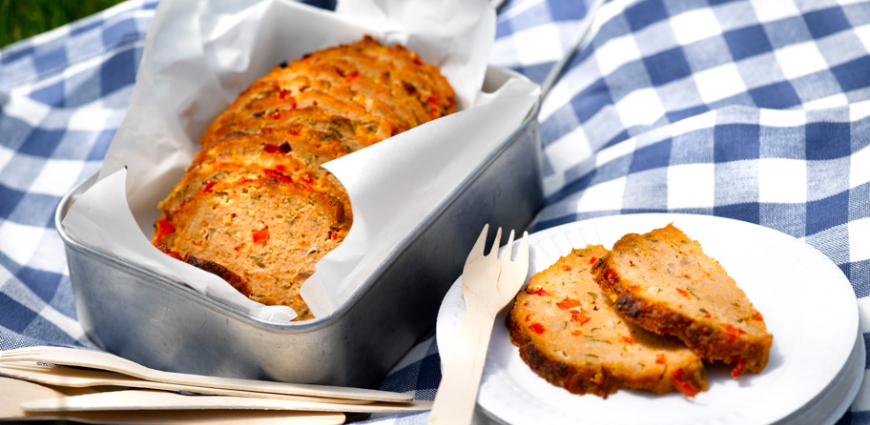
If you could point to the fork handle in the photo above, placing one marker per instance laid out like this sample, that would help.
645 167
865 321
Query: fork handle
457 393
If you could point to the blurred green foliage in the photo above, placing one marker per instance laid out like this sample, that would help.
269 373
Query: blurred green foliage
20 19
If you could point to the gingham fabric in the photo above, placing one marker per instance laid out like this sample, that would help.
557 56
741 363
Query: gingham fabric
62 96
758 111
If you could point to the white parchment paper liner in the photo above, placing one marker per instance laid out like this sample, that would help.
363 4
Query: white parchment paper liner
200 54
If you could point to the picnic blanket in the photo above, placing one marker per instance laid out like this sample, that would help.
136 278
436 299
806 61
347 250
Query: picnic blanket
757 111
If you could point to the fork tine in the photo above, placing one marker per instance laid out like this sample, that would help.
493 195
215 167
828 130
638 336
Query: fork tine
495 244
508 249
36 349
523 253
479 245
25 350
7 355
19 353
19 350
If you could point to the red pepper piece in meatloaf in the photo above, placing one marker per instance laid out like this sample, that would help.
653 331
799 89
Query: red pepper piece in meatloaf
568 332
664 282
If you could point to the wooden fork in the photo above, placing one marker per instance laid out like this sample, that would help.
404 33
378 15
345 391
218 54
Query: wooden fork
488 284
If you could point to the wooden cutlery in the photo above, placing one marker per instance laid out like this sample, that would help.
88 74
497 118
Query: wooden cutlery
161 400
15 392
88 378
112 363
216 399
489 283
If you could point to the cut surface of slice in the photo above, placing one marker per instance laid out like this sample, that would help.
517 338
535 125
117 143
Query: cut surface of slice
568 332
664 282
269 232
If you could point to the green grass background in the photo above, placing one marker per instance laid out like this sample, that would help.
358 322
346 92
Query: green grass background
20 19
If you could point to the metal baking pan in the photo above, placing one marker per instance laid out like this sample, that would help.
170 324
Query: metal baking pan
165 325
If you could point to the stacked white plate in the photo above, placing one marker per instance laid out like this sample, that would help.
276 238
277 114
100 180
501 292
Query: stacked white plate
816 363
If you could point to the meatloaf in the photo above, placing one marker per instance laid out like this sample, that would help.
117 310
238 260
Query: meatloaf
380 90
569 333
255 203
664 282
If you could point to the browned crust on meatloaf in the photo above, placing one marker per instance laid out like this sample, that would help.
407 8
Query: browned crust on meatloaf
568 333
224 273
664 282
271 143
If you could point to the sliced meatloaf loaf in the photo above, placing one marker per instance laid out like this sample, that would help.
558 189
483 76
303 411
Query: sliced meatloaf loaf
255 206
664 282
569 333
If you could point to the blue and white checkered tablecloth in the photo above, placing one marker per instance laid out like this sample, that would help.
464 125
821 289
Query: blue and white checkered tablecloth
758 111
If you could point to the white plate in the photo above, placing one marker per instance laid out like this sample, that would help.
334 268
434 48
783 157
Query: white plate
807 302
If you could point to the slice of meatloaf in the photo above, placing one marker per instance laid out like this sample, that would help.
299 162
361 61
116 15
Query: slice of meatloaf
316 126
386 87
568 332
326 85
664 282
269 232
253 157
401 78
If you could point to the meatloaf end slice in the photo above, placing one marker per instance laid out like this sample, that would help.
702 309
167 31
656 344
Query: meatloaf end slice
568 332
664 282
269 232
